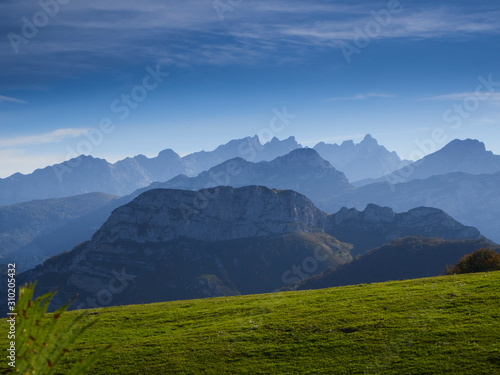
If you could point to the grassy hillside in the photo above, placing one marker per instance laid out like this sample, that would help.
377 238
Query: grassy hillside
440 325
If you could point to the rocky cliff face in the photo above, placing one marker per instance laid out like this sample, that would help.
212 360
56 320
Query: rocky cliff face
217 214
377 225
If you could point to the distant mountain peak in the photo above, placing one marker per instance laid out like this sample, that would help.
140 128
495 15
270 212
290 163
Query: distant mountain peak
368 138
348 143
167 153
301 156
83 160
290 141
468 145
374 214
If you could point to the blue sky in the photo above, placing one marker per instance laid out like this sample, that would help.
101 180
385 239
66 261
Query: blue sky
414 74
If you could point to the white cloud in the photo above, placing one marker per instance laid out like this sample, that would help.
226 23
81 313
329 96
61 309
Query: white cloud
482 95
53 137
360 97
10 99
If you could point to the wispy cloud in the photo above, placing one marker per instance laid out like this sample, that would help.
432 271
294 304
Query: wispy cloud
483 95
10 99
360 97
439 22
190 32
53 137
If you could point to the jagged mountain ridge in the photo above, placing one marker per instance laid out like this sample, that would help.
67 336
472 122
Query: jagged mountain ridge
86 174
152 231
360 161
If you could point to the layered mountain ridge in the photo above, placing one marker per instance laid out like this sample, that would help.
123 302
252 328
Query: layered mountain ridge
272 230
302 170
466 156
86 174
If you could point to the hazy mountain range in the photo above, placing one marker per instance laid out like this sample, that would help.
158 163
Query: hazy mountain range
467 156
246 240
86 174
470 198
364 160
302 170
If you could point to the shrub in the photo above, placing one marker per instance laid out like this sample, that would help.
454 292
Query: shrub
482 260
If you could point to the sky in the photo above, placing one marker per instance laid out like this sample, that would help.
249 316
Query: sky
119 78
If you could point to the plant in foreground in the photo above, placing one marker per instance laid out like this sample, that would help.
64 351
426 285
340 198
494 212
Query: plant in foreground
43 339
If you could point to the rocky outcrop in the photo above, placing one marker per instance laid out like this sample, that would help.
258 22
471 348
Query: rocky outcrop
377 225
216 214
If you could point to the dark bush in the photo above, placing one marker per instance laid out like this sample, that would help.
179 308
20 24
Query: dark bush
482 260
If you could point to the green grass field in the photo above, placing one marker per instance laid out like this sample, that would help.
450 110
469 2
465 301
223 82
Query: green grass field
441 325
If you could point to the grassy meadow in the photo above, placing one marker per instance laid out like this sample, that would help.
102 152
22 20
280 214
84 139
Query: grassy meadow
439 325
